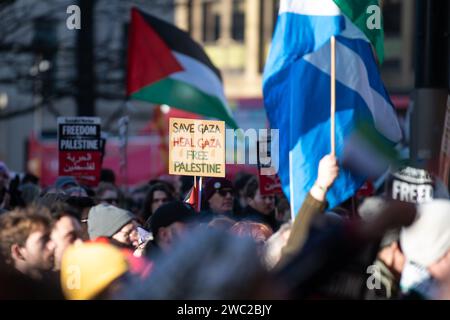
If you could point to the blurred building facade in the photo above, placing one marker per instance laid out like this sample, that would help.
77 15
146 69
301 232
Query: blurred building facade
237 36
38 70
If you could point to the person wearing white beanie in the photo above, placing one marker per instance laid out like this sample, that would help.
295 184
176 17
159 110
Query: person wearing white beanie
426 246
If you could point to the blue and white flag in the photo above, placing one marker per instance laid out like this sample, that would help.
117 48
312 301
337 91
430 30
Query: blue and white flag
296 89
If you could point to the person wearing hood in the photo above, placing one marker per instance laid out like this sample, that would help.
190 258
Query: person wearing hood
426 246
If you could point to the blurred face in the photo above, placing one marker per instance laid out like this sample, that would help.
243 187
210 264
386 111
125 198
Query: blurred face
66 231
222 201
263 204
128 234
167 236
159 198
37 255
109 197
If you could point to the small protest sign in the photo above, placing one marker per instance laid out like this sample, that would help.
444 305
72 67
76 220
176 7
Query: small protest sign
269 182
80 148
410 185
196 147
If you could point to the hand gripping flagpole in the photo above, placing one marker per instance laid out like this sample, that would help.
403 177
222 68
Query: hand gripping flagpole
333 94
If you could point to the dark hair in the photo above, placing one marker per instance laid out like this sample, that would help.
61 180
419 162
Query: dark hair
106 186
29 177
49 200
169 186
80 203
107 175
241 180
62 209
147 207
251 187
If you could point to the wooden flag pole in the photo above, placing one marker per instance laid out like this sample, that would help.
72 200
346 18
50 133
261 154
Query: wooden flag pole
195 182
333 94
199 205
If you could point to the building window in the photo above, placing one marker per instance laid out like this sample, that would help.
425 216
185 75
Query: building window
392 12
392 17
238 30
211 20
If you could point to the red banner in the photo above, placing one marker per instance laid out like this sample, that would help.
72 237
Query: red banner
80 149
269 185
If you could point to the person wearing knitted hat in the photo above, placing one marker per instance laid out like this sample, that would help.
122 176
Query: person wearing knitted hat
426 246
93 271
217 198
111 222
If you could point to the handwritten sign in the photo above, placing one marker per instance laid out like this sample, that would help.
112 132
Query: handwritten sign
196 147
80 148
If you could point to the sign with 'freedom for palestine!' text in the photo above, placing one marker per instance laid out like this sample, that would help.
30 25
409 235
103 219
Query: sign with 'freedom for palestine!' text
80 150
196 147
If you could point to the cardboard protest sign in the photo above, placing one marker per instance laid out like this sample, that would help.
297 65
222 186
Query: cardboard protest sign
410 185
196 147
80 148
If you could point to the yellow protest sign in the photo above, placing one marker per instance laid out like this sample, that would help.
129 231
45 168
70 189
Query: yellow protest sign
196 147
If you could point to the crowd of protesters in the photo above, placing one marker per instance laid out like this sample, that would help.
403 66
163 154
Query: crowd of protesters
69 241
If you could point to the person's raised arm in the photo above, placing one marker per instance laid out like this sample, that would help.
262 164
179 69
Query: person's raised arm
327 174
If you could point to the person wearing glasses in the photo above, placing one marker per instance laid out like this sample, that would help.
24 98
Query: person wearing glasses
217 199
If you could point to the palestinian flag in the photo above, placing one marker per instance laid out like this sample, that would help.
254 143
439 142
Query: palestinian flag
165 66
194 196
364 13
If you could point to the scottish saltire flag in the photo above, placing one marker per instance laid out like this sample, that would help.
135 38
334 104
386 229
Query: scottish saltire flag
296 87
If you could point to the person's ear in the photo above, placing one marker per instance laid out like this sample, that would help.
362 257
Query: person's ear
164 234
16 252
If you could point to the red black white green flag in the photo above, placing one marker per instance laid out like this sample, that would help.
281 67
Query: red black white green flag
166 66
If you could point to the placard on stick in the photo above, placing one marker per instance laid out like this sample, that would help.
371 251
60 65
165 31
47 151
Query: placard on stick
80 148
196 147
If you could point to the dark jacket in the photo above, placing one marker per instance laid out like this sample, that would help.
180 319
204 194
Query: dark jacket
251 214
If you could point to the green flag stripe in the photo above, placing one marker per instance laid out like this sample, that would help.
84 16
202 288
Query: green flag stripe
183 96
357 12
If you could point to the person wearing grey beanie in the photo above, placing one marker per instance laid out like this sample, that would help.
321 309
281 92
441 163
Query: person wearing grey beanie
114 223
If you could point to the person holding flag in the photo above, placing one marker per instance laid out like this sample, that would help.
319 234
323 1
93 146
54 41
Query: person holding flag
318 42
